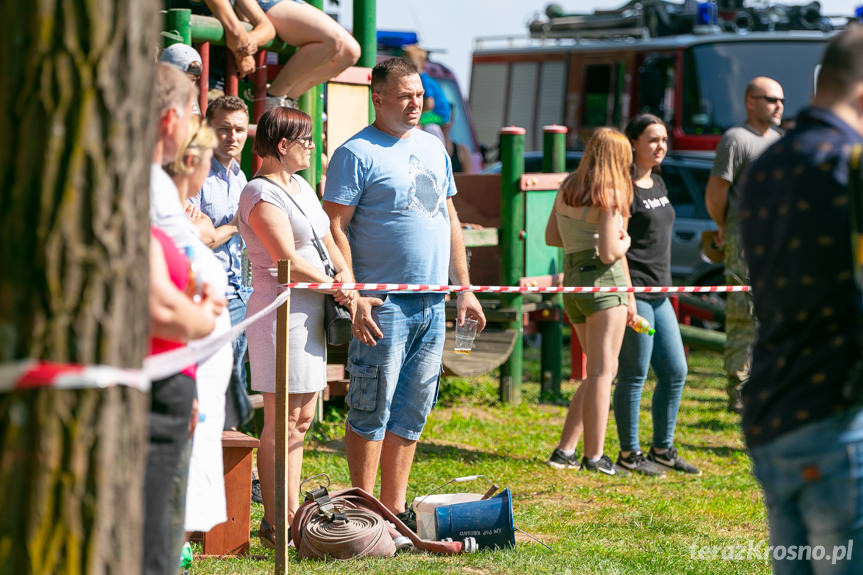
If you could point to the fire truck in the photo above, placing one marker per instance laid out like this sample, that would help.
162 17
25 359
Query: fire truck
687 63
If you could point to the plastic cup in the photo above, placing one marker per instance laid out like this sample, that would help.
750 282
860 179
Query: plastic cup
464 335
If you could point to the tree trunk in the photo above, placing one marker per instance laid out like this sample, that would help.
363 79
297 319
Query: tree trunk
76 136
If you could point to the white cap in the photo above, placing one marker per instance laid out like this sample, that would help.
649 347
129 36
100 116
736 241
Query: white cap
183 57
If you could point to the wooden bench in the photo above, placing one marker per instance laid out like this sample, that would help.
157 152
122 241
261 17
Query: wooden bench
232 536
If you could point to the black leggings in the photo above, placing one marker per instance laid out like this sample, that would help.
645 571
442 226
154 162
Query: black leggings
170 409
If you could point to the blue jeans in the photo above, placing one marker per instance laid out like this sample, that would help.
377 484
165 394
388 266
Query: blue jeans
664 351
237 406
237 309
813 487
394 385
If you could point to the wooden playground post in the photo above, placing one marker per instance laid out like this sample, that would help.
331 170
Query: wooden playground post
512 252
282 382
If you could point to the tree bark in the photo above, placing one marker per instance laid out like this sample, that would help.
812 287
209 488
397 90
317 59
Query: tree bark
76 139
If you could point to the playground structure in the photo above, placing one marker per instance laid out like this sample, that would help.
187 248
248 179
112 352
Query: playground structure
348 111
349 105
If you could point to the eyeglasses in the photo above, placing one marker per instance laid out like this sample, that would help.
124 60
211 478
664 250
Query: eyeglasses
307 142
770 99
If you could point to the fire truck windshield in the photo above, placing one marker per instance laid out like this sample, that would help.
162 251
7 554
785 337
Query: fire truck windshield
715 78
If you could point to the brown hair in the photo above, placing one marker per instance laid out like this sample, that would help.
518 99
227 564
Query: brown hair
280 122
228 104
398 67
636 127
639 123
602 179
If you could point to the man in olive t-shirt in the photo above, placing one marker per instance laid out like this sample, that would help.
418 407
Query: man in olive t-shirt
738 147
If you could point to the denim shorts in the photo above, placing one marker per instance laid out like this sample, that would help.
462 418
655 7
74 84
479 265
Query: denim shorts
585 269
267 4
394 385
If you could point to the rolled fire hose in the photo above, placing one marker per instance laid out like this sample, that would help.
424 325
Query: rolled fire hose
357 500
362 534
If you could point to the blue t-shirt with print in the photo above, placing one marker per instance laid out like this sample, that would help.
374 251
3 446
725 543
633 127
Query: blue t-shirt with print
400 230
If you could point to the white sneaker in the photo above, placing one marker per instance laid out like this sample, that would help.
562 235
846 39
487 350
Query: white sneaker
276 101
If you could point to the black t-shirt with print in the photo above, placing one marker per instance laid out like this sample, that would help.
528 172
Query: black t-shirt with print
649 256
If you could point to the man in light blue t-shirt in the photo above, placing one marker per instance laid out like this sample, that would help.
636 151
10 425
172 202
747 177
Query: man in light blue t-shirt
389 197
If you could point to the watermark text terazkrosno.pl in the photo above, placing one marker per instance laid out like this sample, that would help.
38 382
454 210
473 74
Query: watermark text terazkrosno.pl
762 551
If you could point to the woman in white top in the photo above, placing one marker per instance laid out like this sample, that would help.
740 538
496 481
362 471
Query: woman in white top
279 215
205 494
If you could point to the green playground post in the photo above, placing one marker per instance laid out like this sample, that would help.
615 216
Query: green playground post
554 149
365 32
512 252
310 103
179 20
553 162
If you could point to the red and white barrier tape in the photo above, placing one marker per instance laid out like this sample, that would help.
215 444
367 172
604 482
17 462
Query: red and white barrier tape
170 362
31 374
514 289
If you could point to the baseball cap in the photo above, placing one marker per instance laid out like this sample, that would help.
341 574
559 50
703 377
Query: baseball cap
182 56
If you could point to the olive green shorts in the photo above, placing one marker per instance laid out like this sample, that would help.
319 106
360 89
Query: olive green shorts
585 269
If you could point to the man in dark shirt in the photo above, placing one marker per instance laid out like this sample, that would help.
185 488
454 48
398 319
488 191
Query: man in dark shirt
802 414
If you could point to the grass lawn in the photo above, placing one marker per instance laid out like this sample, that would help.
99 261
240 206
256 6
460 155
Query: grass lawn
592 524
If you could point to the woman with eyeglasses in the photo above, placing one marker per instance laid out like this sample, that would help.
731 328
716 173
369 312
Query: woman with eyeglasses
281 218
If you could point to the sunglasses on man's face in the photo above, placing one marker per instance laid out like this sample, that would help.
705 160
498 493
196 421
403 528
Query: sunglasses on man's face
770 99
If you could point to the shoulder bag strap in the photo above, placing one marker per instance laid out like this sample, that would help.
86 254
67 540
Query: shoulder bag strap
328 266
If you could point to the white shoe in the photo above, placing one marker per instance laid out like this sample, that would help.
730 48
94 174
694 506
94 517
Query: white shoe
276 101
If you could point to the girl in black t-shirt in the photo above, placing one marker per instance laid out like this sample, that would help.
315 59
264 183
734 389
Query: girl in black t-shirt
649 264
